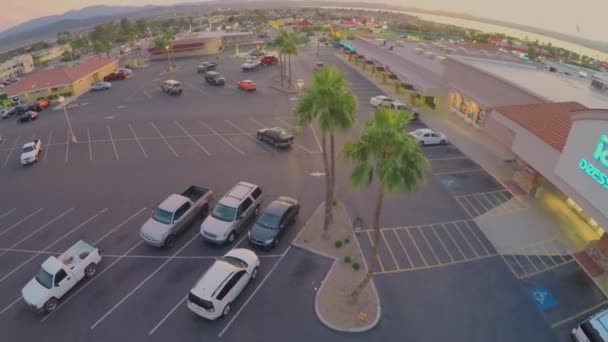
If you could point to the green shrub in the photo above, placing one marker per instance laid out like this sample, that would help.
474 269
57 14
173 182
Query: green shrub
356 266
347 259
338 243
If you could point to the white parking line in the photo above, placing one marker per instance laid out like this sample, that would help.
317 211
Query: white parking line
65 300
253 293
316 138
167 315
11 151
147 95
142 283
48 146
67 147
192 138
10 305
118 226
90 148
459 171
7 213
138 142
221 137
163 138
251 136
51 245
20 221
112 140
257 122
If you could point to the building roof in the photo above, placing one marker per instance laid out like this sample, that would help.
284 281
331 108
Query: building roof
551 87
51 78
550 122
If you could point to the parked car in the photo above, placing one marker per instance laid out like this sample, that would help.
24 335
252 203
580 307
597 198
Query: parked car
276 136
1 139
25 107
30 152
387 102
29 116
319 66
257 53
426 136
251 65
174 215
269 60
206 66
232 212
274 221
99 86
592 329
41 105
8 112
214 292
125 71
172 87
247 85
115 76
60 274
212 77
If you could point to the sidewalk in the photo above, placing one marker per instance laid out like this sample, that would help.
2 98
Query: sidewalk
539 220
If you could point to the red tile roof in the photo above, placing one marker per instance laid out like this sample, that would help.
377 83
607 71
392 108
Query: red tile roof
550 122
51 78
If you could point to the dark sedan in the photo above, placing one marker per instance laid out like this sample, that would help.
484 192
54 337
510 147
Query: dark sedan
206 66
276 136
273 221
29 116
212 77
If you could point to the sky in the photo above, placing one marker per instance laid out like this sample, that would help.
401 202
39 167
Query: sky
557 15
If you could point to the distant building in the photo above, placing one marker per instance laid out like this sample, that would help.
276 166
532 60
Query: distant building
16 67
199 44
62 81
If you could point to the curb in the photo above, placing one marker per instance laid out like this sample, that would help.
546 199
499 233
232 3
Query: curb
373 285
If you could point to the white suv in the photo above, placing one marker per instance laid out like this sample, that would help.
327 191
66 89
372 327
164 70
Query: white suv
213 293
232 213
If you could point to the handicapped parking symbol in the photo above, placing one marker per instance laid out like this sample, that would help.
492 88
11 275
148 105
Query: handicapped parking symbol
542 297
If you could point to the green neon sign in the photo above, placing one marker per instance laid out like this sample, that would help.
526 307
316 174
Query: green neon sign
601 155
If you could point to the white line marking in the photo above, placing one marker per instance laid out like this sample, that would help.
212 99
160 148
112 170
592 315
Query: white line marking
251 136
65 300
165 140
167 315
142 283
20 221
7 213
112 140
257 123
138 142
416 246
118 227
11 151
593 308
221 137
253 293
457 172
316 138
147 95
10 305
67 147
55 242
48 146
192 138
90 148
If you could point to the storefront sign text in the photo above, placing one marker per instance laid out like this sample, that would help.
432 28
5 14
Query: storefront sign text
601 155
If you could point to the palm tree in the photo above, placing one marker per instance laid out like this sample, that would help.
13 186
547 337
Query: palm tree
163 43
329 102
387 156
290 49
280 43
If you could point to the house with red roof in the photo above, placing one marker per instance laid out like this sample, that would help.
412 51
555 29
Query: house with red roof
62 81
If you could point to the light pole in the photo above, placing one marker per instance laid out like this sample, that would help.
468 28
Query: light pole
67 119
300 84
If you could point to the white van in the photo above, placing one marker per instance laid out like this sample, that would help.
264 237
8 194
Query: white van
594 329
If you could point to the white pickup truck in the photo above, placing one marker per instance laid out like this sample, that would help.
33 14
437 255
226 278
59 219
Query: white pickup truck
58 275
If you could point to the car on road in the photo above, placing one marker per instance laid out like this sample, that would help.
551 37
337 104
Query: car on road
273 221
101 86
257 53
319 66
247 85
115 76
41 105
269 60
214 78
593 329
28 116
276 136
251 65
8 112
172 87
214 292
174 215
387 102
125 71
58 275
30 152
231 214
426 136
206 66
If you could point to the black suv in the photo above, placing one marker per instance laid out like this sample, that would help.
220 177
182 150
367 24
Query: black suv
206 66
214 78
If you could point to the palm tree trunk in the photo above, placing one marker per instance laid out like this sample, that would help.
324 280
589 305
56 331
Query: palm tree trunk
373 256
332 170
328 199
289 56
281 67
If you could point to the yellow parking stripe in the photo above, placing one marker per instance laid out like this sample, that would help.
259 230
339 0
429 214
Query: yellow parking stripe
403 247
418 249
371 241
388 247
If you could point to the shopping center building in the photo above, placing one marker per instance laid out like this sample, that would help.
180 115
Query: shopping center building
199 44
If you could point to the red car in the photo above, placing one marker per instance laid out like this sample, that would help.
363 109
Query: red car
42 105
247 85
115 76
269 60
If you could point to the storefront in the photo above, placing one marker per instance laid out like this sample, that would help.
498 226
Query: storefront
466 108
